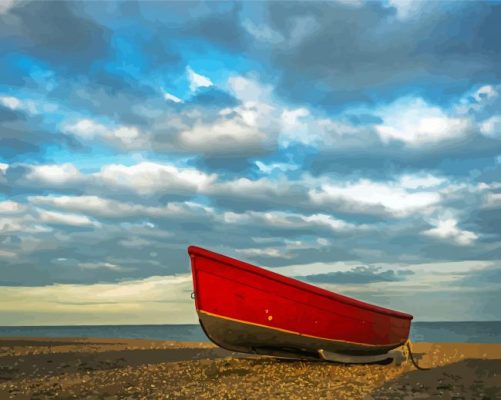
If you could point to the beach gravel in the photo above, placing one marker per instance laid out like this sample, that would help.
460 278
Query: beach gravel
38 368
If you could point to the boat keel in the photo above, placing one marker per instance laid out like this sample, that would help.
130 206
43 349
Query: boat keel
387 358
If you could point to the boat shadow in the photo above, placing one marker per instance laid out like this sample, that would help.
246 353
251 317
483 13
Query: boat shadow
466 379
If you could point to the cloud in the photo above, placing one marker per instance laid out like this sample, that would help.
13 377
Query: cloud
447 229
127 136
263 32
359 275
477 100
223 137
145 178
420 182
491 127
10 207
246 128
196 80
86 129
415 123
52 217
406 8
261 193
4 253
249 89
270 168
54 175
493 200
171 97
55 32
149 177
109 208
6 5
319 69
290 221
106 265
218 25
10 102
366 196
24 136
263 252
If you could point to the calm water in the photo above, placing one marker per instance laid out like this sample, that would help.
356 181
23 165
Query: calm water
472 332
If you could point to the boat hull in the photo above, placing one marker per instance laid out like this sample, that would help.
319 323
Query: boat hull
245 308
247 337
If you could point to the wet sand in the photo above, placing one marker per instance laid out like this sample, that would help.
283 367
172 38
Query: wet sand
40 368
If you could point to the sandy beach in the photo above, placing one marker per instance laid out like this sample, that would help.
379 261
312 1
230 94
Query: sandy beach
40 368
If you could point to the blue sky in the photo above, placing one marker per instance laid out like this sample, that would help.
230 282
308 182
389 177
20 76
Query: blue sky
354 145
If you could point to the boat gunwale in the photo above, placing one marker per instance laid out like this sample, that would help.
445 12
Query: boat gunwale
195 250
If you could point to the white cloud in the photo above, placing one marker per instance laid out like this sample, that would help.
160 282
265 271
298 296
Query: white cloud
22 222
299 29
5 253
223 136
263 188
301 126
263 32
10 102
447 229
245 129
27 105
477 100
270 168
101 265
406 8
286 220
86 128
56 174
197 80
11 207
6 5
90 205
493 200
171 97
366 196
263 252
485 93
295 127
128 136
143 178
148 177
3 173
414 122
491 127
52 217
102 207
249 90
420 181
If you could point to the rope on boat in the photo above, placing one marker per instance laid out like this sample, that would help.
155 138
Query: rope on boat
408 344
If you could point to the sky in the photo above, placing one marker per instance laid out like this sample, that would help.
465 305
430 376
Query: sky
353 145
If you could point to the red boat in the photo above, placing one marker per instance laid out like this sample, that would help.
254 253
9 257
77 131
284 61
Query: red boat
248 309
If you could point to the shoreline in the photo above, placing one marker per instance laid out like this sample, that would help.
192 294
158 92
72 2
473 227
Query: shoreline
99 368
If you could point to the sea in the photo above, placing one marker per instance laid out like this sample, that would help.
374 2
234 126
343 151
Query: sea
465 332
